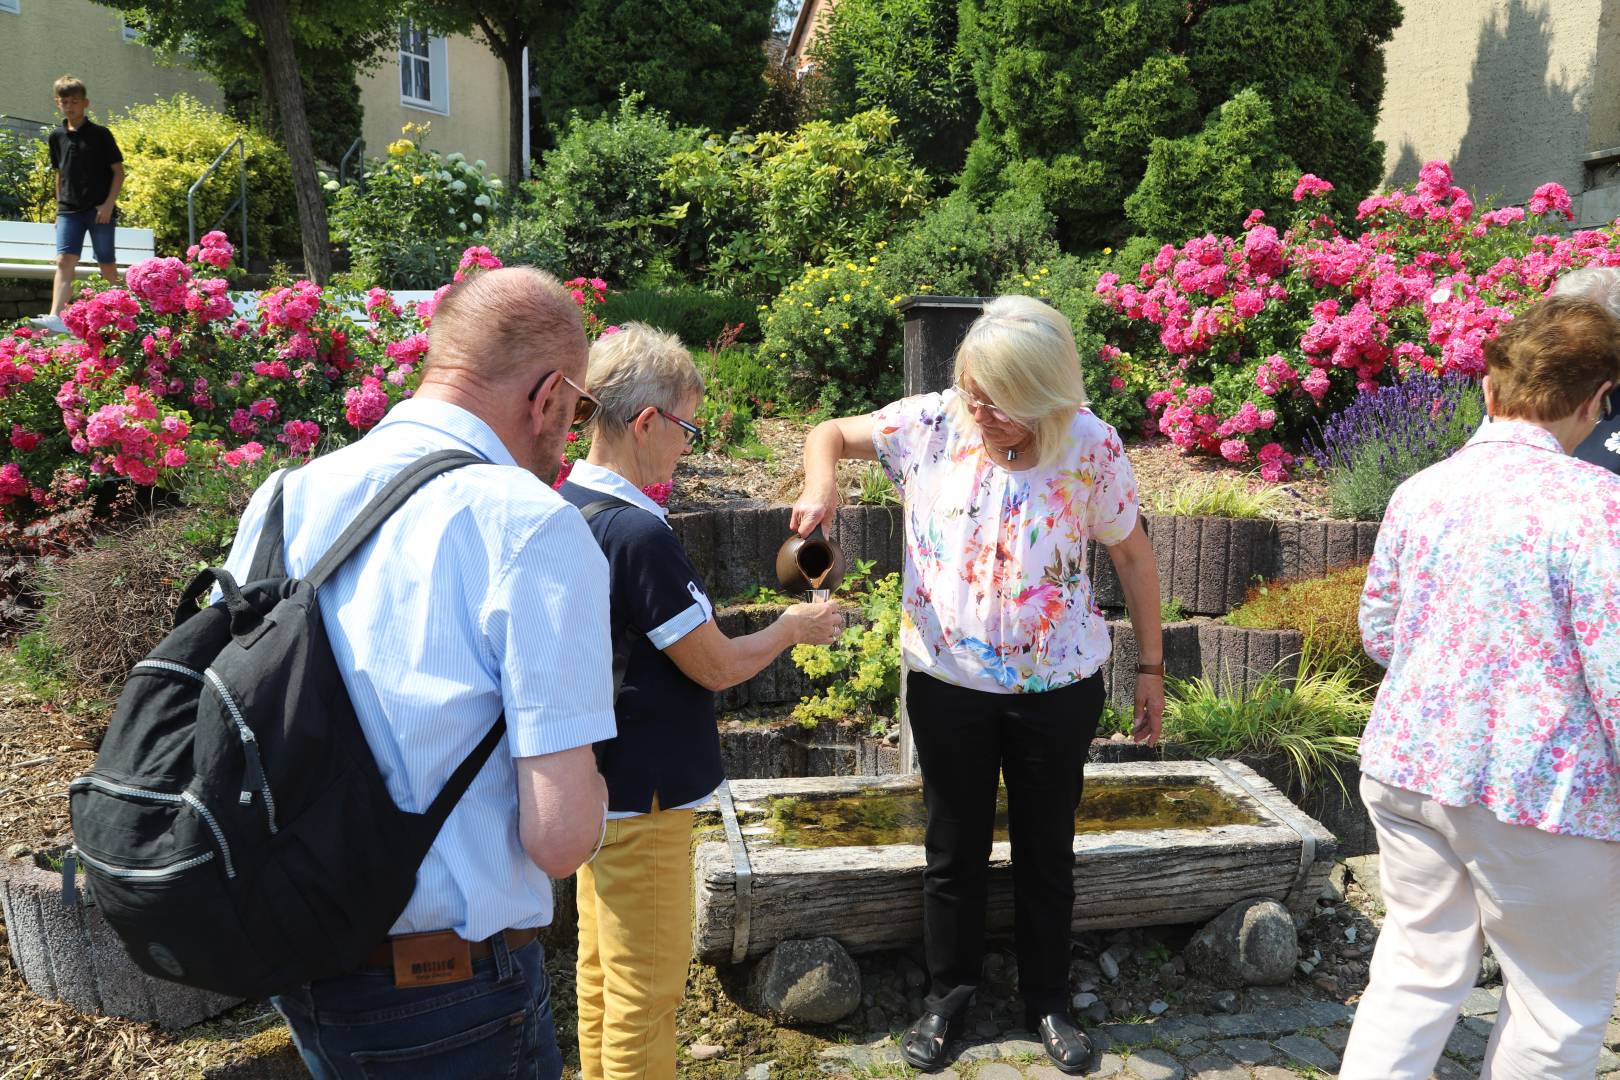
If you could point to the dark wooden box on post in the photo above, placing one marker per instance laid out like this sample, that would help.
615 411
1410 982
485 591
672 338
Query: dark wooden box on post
934 328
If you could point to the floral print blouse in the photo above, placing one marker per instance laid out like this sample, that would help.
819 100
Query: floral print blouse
1493 598
996 594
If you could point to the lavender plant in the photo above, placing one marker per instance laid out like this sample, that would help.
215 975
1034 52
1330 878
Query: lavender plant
1372 446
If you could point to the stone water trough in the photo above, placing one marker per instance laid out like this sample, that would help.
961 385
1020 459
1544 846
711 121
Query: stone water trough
842 856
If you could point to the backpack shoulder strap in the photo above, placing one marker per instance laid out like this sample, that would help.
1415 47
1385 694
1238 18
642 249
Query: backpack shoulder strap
384 503
602 505
267 558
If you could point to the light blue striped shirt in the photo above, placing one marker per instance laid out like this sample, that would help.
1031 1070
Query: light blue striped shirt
484 592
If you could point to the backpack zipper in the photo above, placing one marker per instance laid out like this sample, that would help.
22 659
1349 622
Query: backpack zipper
254 776
171 667
146 873
186 798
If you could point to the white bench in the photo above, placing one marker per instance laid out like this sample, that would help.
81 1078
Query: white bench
28 249
247 304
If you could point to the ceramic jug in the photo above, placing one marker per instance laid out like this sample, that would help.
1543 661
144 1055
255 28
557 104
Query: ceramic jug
811 562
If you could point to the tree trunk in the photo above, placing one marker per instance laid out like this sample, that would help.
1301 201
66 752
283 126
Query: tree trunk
513 59
285 79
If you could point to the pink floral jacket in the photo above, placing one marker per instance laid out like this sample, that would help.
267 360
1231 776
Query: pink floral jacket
1493 598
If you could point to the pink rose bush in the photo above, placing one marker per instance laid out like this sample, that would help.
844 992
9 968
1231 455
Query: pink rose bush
164 376
1249 341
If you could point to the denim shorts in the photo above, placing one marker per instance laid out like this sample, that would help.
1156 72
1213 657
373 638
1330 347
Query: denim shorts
70 230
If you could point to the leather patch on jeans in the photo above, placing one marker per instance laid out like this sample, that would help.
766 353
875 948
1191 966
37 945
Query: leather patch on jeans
431 959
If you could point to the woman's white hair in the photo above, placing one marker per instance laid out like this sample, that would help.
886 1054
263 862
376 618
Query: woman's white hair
1600 284
637 367
1021 355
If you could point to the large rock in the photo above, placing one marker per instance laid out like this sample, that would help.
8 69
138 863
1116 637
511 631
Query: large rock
1251 943
813 982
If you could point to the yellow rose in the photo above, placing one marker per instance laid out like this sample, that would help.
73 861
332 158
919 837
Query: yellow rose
400 147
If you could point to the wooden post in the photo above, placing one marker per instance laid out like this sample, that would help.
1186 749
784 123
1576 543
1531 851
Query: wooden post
933 329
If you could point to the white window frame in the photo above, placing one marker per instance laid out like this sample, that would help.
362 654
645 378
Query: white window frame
130 34
437 58
12 6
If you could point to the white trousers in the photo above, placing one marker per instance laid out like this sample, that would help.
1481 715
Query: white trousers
1455 878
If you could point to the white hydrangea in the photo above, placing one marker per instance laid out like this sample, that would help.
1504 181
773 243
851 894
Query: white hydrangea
482 200
456 156
330 185
458 186
444 176
478 219
481 165
462 225
495 182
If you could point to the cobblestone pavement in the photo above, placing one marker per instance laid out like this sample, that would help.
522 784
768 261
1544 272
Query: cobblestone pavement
1279 1036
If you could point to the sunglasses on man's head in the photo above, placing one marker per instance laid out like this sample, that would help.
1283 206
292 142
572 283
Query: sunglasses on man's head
585 405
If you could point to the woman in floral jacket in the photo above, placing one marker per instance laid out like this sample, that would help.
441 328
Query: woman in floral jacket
1489 763
1006 476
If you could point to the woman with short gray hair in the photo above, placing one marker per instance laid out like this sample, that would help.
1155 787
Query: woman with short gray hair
1601 285
635 896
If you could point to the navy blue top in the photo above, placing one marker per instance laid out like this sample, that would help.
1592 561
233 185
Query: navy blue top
1602 447
667 742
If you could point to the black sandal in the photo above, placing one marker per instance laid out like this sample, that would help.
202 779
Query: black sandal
1067 1045
923 1045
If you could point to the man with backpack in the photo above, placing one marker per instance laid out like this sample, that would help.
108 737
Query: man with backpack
483 593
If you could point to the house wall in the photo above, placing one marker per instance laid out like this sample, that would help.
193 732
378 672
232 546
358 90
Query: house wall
46 39
474 121
1512 92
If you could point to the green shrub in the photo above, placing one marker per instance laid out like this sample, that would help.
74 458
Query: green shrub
739 387
415 214
1075 93
838 336
600 189
525 239
1203 182
865 660
169 143
903 56
1314 724
1220 496
959 249
26 188
696 317
766 205
1325 610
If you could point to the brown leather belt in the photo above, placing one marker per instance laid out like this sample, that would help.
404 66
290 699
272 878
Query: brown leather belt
383 955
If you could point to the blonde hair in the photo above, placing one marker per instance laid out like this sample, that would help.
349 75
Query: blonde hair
1021 354
637 367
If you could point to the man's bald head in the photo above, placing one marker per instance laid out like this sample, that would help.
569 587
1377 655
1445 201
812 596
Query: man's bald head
504 326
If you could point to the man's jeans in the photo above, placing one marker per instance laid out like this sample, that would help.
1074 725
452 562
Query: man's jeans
496 1024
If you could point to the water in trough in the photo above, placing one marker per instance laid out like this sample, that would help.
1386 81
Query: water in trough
889 816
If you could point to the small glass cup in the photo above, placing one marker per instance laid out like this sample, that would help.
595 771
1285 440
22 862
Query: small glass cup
820 596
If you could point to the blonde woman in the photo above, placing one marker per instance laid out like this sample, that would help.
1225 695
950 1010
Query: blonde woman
1005 478
635 896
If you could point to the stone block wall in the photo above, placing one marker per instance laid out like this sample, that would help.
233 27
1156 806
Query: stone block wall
23 298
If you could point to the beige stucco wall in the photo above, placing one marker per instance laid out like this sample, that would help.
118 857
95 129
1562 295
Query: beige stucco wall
476 119
49 38
1511 92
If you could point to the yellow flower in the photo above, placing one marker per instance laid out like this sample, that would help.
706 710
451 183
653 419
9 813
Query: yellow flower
781 356
416 178
848 298
400 147
873 259
846 326
826 329
882 243
1108 251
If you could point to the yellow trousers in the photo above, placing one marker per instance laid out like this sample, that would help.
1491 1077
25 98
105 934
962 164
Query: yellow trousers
635 944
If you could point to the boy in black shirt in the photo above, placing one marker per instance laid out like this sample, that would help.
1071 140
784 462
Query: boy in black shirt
89 174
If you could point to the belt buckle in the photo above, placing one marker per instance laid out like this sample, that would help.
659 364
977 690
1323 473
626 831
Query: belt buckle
431 959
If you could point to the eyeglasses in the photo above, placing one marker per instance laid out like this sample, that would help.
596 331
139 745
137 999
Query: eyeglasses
693 432
975 403
585 405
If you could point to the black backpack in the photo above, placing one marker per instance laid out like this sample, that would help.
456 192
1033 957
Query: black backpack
235 829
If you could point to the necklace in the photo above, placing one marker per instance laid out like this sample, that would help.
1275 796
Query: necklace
1012 455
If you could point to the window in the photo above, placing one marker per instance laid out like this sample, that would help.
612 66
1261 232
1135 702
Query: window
13 6
423 69
133 26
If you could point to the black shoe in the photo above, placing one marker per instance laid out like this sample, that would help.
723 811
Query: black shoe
923 1045
1066 1044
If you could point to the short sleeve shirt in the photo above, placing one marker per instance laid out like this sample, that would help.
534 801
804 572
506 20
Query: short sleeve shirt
85 159
996 591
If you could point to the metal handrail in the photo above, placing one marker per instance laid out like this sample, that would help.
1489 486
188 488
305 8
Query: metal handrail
241 200
343 165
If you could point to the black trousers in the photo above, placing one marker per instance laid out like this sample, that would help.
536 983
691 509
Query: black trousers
966 740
